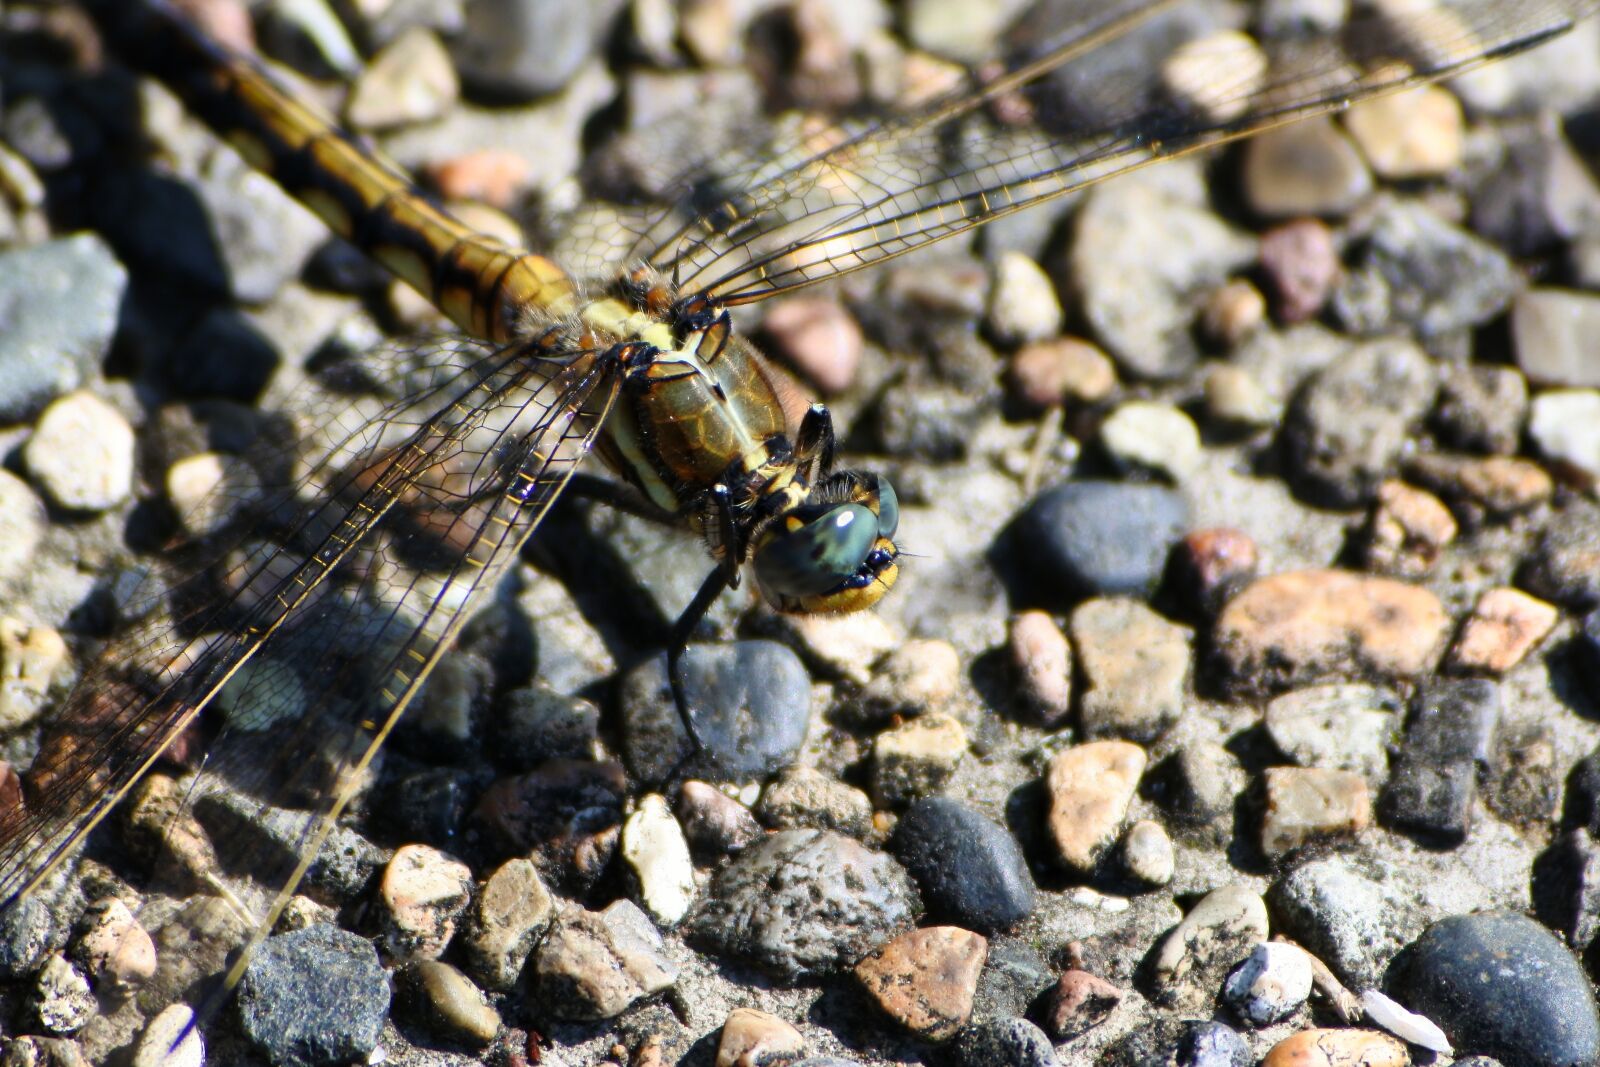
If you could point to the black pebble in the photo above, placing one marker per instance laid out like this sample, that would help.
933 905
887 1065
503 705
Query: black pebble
970 870
1092 538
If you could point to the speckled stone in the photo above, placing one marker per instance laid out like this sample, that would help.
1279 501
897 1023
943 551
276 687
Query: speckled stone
1078 1002
1352 921
714 822
1308 804
509 913
1188 965
1565 563
916 758
805 798
1338 726
424 892
1482 408
1090 787
925 979
1271 984
1134 664
595 964
314 997
1002 1043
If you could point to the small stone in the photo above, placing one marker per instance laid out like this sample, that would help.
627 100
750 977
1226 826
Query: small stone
1091 786
1414 134
1197 787
1190 74
1023 305
1143 435
1099 538
818 338
423 892
1408 530
447 1002
1079 1001
1270 985
1338 1048
921 675
494 176
971 870
171 1039
752 1038
31 657
114 949
1408 1026
30 1051
1301 266
62 1001
1501 984
916 758
805 798
925 979
209 489
81 453
1310 804
1551 331
1565 563
1235 398
1134 664
1351 921
1292 628
410 80
1041 662
593 964
1047 374
569 812
1188 965
1505 625
1211 565
1345 727
805 902
1002 1043
848 645
713 821
313 997
1494 487
1146 854
1304 168
536 724
1232 312
23 523
1482 408
1564 424
28 931
509 913
1434 783
658 854
497 57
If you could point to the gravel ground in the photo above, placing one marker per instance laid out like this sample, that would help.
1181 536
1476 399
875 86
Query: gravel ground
1238 699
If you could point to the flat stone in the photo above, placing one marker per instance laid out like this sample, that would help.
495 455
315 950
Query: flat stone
594 964
1310 804
925 979
1041 663
447 1004
1413 134
81 453
1090 787
1340 726
1434 783
509 913
1301 626
1079 1001
314 997
1550 331
656 851
1505 625
1408 530
1304 168
1564 424
423 892
1189 963
1338 1048
1134 663
753 1038
970 869
916 758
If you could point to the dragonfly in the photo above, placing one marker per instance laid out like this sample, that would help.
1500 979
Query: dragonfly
307 622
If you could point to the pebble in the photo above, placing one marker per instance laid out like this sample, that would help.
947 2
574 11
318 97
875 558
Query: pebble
1187 967
1413 134
1482 408
1305 805
925 979
1408 530
1212 1044
1537 195
31 1051
1079 1001
806 798
1210 565
1550 332
594 964
1304 168
916 758
921 675
447 1003
1417 271
714 822
1134 664
423 893
1565 563
1023 305
1091 538
208 490
509 913
410 80
1090 787
1434 781
1289 629
113 948
31 658
970 869
1234 397
61 1001
1587 644
493 176
1564 425
23 523
1408 1026
1492 487
536 724
27 932
171 1039
752 704
1147 436
314 996
1338 1048
1014 979
1300 265
655 849
567 811
62 300
1341 726
1501 984
81 454
1146 855
753 1038
805 902
1351 921
849 645
1270 985
1197 787
1047 374
1002 1043
1352 421
1232 312
1040 658
817 337
518 50
1505 625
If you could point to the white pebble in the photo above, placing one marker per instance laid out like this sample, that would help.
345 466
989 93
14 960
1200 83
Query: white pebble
1408 1026
654 846
1270 984
81 453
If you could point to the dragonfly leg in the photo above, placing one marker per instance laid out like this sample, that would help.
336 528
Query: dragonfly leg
725 576
815 437
622 497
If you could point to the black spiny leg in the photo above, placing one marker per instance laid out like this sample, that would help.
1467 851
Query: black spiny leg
815 437
725 576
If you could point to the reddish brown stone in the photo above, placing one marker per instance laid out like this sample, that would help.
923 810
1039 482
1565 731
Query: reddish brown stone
1503 628
1301 265
1078 1001
925 979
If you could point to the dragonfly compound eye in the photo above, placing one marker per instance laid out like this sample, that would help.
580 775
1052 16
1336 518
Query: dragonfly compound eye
827 558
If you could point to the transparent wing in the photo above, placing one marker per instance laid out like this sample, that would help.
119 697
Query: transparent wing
858 196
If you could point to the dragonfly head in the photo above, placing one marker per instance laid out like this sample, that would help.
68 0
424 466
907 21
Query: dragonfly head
835 551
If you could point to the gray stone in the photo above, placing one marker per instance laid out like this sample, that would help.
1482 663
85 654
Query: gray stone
1352 922
1553 332
314 998
1134 665
595 964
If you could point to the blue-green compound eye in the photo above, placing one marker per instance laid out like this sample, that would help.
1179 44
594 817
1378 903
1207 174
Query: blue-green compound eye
820 555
